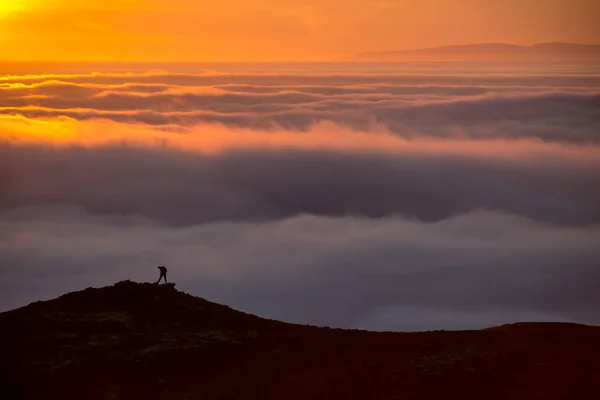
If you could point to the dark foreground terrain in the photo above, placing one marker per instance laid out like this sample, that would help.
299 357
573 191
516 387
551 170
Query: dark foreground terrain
143 341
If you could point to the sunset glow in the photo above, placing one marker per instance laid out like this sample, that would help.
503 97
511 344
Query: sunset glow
9 6
232 30
367 164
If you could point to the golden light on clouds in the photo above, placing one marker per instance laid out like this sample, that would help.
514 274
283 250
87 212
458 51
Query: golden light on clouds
233 30
214 139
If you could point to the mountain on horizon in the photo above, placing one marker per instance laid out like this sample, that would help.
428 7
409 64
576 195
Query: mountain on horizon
148 341
489 52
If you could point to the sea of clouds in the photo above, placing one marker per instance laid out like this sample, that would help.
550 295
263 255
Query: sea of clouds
362 198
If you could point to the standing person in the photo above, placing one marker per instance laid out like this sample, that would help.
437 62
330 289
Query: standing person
163 273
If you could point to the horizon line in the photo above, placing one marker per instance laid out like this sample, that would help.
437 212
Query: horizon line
331 58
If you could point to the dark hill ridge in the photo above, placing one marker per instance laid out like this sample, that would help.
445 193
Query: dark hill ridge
144 341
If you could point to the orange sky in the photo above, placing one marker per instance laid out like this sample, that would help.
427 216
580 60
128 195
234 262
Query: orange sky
229 30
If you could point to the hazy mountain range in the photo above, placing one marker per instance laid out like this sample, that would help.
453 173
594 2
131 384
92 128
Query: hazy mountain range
489 52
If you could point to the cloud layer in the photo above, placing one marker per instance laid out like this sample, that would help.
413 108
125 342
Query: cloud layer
427 180
352 198
470 271
557 108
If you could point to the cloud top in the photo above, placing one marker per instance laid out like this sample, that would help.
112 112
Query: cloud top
347 198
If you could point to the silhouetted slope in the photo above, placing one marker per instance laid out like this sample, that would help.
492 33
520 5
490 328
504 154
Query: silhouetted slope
143 341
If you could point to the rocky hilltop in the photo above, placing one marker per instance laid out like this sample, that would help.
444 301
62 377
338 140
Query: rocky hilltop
145 341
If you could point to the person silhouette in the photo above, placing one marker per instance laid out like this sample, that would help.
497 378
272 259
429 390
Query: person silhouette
163 273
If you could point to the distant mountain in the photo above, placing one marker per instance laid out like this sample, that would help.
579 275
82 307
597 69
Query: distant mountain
489 52
145 341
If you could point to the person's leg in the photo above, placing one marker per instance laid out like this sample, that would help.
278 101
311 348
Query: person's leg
166 278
